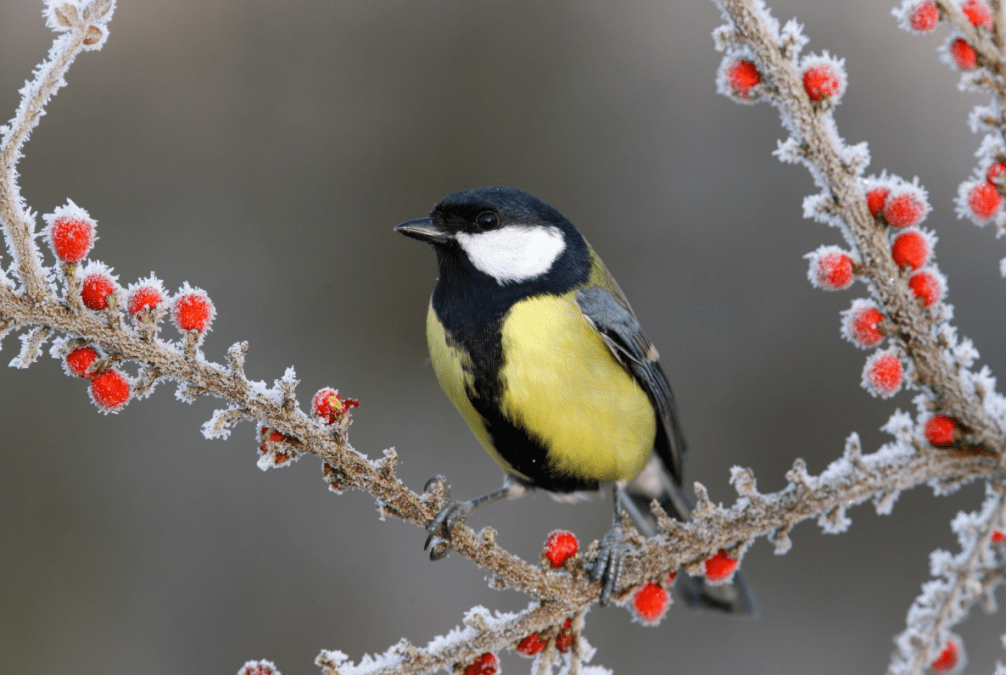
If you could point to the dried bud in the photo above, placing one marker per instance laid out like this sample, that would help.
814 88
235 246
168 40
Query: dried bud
564 640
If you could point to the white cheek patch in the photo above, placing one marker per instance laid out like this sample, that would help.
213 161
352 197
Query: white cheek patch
513 253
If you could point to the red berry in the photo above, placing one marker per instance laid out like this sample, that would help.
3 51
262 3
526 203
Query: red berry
963 54
564 640
977 12
998 536
79 360
328 405
259 668
743 75
487 664
924 16
862 326
141 298
832 269
192 311
110 390
96 289
560 547
71 238
883 373
821 81
984 200
941 431
720 566
904 210
925 285
910 248
948 658
875 199
650 603
531 645
995 170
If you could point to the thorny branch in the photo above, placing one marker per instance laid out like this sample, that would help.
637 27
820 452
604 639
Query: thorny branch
37 308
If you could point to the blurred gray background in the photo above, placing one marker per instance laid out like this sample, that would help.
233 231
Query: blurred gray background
263 150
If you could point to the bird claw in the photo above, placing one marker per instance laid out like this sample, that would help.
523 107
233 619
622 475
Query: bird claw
608 563
454 514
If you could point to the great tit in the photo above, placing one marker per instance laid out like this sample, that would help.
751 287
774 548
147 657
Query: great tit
537 346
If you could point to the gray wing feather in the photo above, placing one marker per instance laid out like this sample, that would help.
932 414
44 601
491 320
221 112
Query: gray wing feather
624 336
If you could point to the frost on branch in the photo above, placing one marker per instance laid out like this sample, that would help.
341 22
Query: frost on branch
961 580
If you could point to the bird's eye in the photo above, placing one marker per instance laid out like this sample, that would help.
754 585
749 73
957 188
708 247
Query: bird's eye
487 220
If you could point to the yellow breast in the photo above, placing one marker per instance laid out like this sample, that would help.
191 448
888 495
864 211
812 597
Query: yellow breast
562 384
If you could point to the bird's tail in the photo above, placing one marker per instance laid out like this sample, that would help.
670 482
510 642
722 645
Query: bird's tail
655 483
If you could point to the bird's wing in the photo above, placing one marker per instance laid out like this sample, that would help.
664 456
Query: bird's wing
621 331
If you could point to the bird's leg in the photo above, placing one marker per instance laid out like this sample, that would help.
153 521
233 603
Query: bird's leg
607 568
456 513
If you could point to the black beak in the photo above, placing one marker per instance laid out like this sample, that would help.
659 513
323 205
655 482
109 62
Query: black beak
423 229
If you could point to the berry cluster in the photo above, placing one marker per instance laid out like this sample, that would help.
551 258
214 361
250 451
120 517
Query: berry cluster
901 207
71 234
979 198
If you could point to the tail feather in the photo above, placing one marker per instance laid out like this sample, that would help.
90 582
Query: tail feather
654 482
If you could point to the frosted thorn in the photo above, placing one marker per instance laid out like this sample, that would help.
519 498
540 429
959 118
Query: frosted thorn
387 465
781 540
798 474
31 347
704 508
664 522
743 480
854 450
236 359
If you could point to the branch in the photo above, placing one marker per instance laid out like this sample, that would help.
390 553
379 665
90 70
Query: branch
964 579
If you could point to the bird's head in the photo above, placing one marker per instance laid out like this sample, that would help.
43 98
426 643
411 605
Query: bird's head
505 233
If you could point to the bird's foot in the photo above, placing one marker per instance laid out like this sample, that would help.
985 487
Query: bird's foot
454 514
607 567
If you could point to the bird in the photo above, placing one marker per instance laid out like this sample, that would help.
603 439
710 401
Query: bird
538 348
